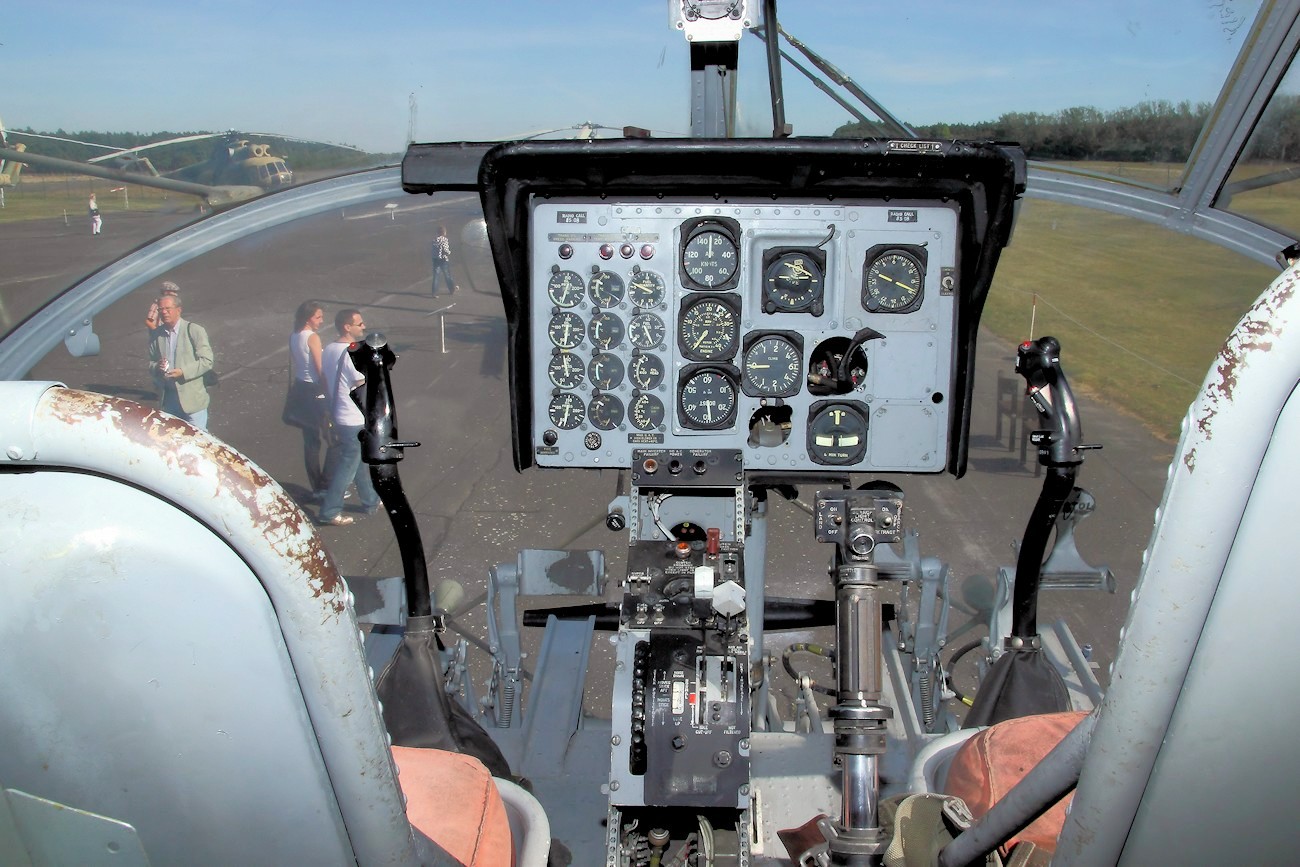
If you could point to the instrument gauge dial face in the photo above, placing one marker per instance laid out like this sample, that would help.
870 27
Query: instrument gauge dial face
566 330
565 370
605 289
646 412
891 283
773 367
605 411
709 259
646 330
605 371
565 288
794 281
646 289
708 400
605 330
567 411
646 371
709 330
837 435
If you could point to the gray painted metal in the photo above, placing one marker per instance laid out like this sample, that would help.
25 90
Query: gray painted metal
1226 435
54 834
305 603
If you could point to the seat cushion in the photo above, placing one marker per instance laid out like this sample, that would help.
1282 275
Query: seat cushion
991 762
452 800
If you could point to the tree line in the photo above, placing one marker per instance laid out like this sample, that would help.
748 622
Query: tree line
1158 131
298 154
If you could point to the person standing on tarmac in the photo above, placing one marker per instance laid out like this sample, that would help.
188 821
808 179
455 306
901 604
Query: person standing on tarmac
442 262
180 356
344 457
96 221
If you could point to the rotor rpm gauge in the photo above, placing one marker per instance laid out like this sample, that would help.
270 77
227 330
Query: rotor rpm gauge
646 289
646 412
646 330
567 410
646 371
565 370
707 399
794 281
606 330
565 288
773 367
892 280
709 327
605 371
566 330
710 253
605 411
605 289
837 433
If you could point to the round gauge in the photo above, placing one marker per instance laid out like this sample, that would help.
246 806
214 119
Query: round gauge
708 400
567 410
605 330
646 371
606 371
892 282
646 289
709 259
605 289
565 370
646 330
565 330
605 411
708 330
646 412
793 281
837 435
565 288
773 367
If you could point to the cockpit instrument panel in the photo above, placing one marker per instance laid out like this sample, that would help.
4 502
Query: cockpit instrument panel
811 304
725 324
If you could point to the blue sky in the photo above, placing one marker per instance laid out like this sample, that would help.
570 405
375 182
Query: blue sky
341 72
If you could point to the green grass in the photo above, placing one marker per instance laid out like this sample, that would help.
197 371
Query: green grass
1140 311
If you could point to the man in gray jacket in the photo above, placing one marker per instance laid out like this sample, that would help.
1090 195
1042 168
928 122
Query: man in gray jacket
179 356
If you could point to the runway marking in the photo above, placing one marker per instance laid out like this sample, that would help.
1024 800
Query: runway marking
458 200
16 280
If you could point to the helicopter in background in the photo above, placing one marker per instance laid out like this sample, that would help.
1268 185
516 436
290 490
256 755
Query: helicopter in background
236 170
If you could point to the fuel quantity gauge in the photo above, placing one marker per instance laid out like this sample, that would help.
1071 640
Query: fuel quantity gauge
893 279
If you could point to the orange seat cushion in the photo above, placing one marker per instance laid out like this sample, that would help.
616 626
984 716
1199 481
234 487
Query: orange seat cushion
451 798
991 762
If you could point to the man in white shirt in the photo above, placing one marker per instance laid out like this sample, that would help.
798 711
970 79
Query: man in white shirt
341 380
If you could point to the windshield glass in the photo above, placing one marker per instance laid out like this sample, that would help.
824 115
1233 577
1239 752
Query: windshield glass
1117 89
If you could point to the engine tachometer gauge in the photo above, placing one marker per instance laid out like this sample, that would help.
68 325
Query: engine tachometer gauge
794 281
710 253
837 433
605 411
565 288
567 410
709 328
605 330
605 289
707 399
646 371
565 370
773 367
566 330
646 330
646 412
605 371
646 289
892 281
